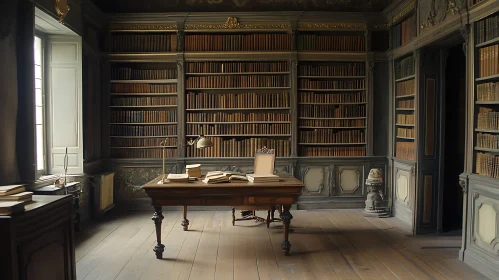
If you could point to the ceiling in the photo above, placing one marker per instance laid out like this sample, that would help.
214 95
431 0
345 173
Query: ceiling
145 6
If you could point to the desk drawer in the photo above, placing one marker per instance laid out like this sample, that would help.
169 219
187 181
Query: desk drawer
269 200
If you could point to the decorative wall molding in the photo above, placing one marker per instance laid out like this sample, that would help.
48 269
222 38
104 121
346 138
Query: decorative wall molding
233 23
136 26
331 26
407 9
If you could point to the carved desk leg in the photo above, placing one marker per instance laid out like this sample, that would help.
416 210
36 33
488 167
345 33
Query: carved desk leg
286 220
185 222
158 218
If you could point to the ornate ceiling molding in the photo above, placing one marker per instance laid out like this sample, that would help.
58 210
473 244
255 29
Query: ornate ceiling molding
330 26
381 26
233 23
411 6
142 27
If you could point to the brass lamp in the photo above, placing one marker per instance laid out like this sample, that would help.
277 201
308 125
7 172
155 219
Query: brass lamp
201 143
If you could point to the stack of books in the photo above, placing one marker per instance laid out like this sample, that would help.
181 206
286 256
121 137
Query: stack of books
178 178
214 177
13 198
193 170
262 178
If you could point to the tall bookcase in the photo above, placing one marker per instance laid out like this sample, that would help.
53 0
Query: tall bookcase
405 108
143 96
240 105
332 96
304 93
405 31
487 96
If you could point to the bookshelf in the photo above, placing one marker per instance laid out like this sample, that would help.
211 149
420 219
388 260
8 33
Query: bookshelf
405 31
143 109
332 102
405 109
487 97
239 105
327 41
245 41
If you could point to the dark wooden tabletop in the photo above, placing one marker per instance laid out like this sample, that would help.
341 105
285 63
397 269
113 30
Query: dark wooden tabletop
286 181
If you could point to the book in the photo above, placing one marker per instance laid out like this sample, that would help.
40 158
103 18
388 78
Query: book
262 178
11 207
193 170
214 179
11 189
178 178
238 178
22 196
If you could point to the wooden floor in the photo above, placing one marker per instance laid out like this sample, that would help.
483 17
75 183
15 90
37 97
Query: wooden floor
329 244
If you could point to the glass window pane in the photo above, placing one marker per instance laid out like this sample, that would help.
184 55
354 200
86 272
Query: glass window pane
40 162
38 97
39 115
38 71
38 51
38 83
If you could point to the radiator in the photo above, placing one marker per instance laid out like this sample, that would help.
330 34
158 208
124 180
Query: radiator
103 193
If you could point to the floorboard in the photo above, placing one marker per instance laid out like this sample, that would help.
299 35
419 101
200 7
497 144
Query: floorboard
326 244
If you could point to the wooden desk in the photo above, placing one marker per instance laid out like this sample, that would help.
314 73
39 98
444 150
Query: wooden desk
242 194
39 242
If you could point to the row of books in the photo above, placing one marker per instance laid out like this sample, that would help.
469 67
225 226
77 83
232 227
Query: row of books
238 129
144 101
143 142
344 97
487 92
408 29
314 42
489 61
405 150
487 29
146 42
487 119
13 199
197 100
488 141
405 88
238 42
143 153
405 104
332 151
331 84
143 88
327 136
405 118
143 116
406 132
333 69
487 165
237 117
237 81
332 111
404 67
333 123
128 73
240 147
235 67
143 130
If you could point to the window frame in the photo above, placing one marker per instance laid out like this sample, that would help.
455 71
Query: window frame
43 38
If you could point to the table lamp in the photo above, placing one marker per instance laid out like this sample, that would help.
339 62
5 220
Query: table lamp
201 143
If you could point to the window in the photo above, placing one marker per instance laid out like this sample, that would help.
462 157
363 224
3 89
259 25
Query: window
39 107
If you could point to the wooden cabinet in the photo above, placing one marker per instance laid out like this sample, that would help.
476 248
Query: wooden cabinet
39 243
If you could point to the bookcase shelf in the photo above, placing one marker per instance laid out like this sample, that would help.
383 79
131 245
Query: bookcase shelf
237 110
332 106
405 109
486 136
143 108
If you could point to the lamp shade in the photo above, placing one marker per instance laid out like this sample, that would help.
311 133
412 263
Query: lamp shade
203 143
